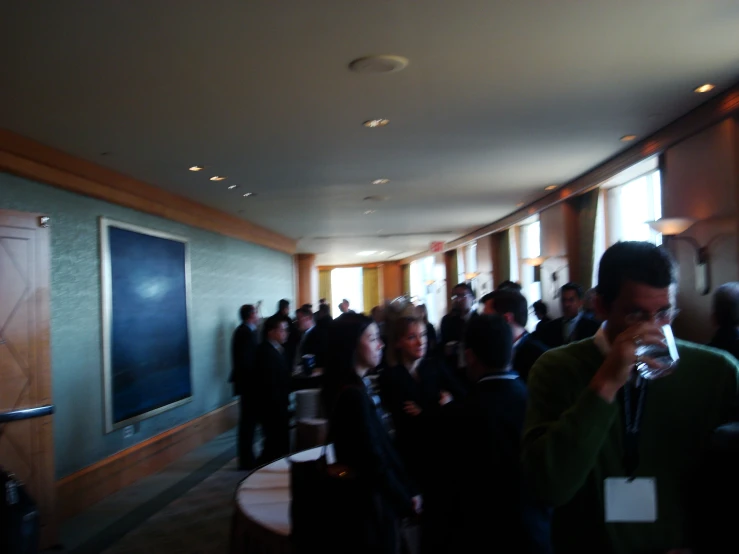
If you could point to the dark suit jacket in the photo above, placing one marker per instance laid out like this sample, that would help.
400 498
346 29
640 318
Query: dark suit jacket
384 493
552 334
317 341
274 382
452 329
243 349
727 339
494 501
525 353
432 340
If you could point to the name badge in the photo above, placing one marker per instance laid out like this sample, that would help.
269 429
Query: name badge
630 501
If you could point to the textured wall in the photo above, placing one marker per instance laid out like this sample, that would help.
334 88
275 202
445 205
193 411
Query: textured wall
225 274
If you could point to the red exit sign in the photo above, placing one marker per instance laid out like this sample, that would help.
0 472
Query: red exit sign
437 246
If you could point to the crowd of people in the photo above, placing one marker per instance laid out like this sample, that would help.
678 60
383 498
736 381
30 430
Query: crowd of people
572 438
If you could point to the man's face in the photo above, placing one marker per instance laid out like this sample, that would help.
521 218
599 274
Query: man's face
279 335
253 318
286 310
461 300
489 308
571 304
636 303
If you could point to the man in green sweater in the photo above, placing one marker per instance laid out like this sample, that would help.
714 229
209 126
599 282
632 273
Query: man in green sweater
617 476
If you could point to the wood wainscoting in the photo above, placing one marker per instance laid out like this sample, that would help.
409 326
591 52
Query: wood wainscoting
90 485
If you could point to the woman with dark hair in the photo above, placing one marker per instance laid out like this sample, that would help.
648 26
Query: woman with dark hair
432 343
361 442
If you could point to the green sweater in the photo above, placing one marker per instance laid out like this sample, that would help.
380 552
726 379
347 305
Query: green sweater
573 441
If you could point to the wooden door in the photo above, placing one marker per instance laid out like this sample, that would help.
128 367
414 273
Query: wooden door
26 447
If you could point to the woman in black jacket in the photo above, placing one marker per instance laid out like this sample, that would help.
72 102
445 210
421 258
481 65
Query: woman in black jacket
361 442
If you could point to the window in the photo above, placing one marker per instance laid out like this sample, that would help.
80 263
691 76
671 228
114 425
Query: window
346 282
530 247
630 206
428 286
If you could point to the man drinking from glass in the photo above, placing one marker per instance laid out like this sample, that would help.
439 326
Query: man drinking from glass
615 424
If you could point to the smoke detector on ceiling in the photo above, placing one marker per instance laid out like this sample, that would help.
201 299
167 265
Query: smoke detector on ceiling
384 63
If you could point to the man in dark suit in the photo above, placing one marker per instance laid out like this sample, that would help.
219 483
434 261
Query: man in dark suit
243 377
317 339
274 389
297 335
511 305
726 318
494 507
453 324
573 325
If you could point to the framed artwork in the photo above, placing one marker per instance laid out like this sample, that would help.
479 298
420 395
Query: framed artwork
145 311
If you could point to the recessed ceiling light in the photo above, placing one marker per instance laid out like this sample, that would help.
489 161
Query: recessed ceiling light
248 194
196 168
628 138
380 181
551 187
372 123
368 212
708 87
366 252
217 178
379 64
519 204
231 187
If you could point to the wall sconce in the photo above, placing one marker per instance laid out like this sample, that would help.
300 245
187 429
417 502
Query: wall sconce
671 228
431 282
536 264
471 276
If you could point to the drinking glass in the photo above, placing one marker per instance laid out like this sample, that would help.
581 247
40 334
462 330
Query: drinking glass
664 354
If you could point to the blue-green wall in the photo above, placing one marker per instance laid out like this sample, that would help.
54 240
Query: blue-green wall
225 272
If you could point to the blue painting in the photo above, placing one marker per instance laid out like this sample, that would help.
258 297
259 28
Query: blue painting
145 316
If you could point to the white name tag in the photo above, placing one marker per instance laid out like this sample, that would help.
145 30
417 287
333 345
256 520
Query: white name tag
634 501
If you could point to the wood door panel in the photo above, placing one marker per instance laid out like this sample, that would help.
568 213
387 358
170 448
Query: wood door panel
26 447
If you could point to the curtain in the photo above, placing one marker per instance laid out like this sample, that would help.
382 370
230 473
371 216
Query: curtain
502 269
324 285
406 279
587 214
371 288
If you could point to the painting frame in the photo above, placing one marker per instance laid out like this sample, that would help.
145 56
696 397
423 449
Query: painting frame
106 272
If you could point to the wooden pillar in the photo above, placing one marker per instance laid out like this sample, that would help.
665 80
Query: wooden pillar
392 281
307 279
452 273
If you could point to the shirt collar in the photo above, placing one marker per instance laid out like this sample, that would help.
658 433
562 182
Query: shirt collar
523 336
277 346
251 326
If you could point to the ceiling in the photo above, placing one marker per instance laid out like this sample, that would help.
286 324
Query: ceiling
500 100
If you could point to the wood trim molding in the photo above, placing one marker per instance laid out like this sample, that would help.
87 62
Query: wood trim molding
29 159
93 483
363 266
695 121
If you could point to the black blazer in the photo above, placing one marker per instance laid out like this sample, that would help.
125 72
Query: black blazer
487 435
727 338
243 350
431 340
452 329
274 381
384 492
525 354
552 334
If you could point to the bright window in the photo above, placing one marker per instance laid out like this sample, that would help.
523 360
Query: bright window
346 282
530 247
630 206
428 287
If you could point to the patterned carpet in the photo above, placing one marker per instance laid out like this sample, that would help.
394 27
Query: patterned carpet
196 523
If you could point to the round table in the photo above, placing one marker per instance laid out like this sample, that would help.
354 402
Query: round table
261 521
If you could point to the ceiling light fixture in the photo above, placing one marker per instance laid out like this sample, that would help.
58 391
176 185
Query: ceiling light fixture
368 212
380 181
519 204
231 187
217 178
248 194
628 138
373 123
197 168
551 187
366 252
708 87
383 63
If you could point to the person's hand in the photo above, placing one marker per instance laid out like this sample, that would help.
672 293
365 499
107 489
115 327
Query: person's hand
618 365
445 398
412 409
417 502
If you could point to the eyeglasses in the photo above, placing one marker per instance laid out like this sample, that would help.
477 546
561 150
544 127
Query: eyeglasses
460 296
662 317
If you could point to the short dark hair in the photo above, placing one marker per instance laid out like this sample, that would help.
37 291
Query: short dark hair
540 306
273 323
324 310
304 310
466 286
491 340
246 311
726 305
640 262
509 285
282 304
511 301
571 287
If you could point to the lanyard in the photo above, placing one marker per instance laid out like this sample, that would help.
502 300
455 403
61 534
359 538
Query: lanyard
509 375
633 412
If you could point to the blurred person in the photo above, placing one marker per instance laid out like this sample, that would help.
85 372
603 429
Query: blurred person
344 307
588 305
617 476
572 326
512 306
245 382
317 339
725 315
541 311
495 507
451 343
509 285
274 376
361 442
422 313
303 323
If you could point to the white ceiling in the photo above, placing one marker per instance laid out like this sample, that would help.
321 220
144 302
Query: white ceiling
500 99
